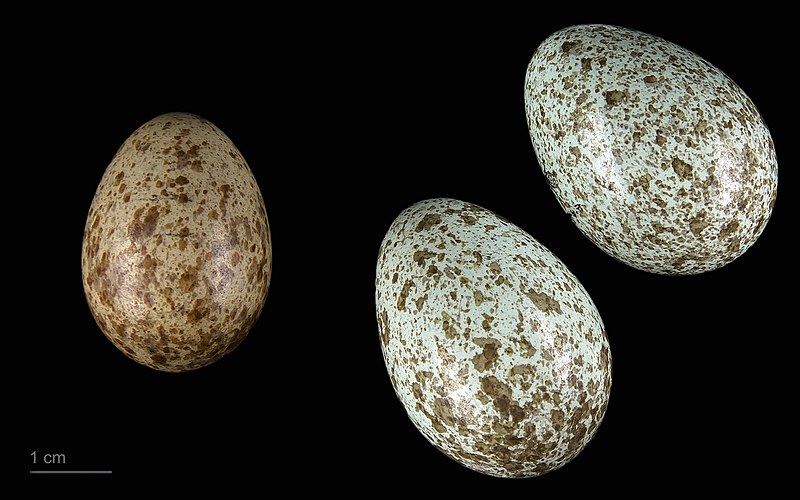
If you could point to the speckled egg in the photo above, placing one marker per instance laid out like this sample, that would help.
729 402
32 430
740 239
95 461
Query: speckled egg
659 158
494 348
177 253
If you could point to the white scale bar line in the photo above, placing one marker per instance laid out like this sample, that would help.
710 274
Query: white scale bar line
70 472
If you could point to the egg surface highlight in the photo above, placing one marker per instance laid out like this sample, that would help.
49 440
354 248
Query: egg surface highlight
495 350
659 158
177 254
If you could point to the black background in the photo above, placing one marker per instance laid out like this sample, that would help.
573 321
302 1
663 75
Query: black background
346 118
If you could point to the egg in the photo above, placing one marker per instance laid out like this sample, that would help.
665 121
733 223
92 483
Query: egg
659 158
177 254
494 348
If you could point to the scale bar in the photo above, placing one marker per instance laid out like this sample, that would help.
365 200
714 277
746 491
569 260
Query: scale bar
70 472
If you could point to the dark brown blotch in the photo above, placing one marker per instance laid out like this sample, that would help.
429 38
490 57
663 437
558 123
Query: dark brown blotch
728 229
486 359
683 169
614 97
543 301
428 221
150 221
420 256
188 280
567 46
198 312
401 300
698 223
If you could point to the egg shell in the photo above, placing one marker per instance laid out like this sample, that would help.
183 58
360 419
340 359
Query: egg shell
659 158
177 254
494 348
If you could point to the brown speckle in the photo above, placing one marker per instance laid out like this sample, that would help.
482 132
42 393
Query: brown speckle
401 300
486 359
567 46
681 168
428 221
543 301
420 256
614 97
698 223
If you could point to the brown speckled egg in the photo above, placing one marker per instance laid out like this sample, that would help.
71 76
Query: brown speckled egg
659 158
177 253
494 348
